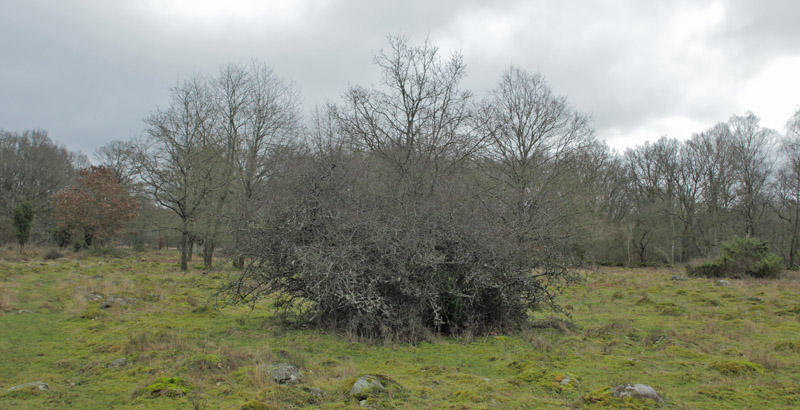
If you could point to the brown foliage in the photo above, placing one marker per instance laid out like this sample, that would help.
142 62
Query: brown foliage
95 207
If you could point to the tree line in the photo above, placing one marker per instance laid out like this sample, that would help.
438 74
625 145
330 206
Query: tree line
413 201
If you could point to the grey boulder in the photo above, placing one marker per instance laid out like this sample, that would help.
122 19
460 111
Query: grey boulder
365 384
637 391
38 384
283 373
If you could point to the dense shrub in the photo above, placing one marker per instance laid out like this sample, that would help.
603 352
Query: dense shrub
741 257
352 260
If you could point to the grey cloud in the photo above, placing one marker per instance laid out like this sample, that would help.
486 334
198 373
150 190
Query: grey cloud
90 70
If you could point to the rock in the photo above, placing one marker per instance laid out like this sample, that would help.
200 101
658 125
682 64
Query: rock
21 311
723 282
117 363
565 381
113 301
284 373
94 297
637 391
38 384
363 403
678 277
317 392
364 384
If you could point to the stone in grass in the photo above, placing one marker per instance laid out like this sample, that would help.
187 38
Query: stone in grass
284 373
723 282
113 301
37 384
678 277
317 392
365 385
637 391
117 363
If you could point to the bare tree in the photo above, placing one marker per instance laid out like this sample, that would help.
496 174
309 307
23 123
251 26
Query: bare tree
711 154
752 147
787 188
536 141
178 160
648 221
119 157
688 187
418 122
261 116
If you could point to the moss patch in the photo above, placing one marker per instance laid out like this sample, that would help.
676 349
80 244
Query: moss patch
167 387
736 367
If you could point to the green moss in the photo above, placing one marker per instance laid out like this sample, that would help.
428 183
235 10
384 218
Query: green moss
205 362
467 395
255 405
529 376
787 346
682 352
604 398
287 395
167 387
669 309
92 311
736 367
518 365
707 301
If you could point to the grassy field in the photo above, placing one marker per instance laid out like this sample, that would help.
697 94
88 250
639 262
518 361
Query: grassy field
701 346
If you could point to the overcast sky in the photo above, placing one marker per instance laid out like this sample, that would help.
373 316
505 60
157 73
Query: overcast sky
89 71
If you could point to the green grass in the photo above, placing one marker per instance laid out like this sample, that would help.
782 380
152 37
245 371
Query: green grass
700 346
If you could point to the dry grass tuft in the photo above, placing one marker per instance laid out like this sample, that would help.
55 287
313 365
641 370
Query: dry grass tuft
161 340
8 296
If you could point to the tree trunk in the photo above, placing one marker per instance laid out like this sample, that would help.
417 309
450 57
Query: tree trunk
190 247
238 262
208 253
185 251
793 243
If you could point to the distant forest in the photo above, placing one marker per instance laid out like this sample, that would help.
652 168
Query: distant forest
417 158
